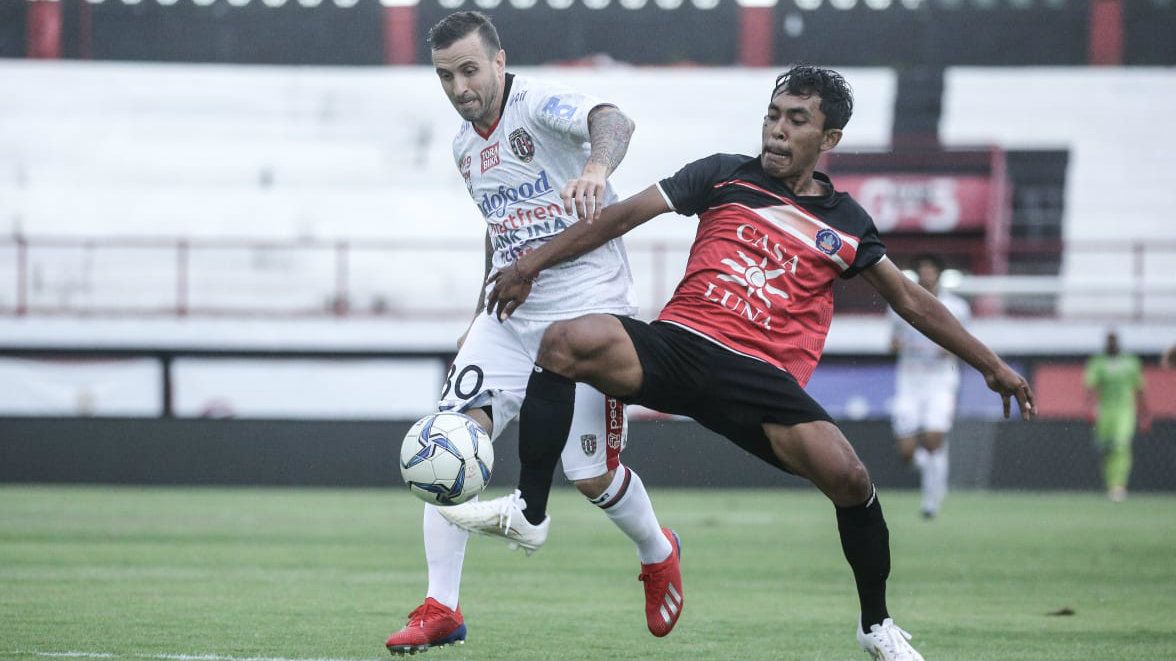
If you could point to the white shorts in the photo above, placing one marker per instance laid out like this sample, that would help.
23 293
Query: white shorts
924 405
492 369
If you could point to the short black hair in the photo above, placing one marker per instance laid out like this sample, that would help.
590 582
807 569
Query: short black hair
836 95
928 258
460 24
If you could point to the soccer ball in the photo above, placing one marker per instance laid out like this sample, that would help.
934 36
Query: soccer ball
446 458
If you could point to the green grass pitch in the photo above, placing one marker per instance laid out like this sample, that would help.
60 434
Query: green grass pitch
207 574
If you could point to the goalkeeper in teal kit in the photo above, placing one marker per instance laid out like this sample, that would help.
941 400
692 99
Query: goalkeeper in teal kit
1115 382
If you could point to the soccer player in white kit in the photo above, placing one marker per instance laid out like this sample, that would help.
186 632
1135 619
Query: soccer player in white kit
535 158
927 384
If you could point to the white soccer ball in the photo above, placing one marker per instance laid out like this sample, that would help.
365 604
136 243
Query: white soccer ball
446 458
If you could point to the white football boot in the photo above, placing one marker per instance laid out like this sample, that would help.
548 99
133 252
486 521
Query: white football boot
500 517
887 642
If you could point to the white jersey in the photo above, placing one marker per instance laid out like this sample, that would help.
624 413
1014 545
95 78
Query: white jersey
921 358
515 174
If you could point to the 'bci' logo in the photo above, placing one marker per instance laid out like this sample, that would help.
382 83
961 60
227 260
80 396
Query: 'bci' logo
497 203
561 110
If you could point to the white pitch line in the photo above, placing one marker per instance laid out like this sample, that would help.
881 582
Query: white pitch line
84 655
70 655
167 657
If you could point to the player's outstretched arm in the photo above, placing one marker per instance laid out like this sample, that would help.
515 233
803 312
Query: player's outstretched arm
512 285
931 318
609 132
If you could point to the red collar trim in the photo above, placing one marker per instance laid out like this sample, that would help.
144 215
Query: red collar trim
487 134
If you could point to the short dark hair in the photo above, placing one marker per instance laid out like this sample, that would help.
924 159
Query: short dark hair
836 95
928 258
460 24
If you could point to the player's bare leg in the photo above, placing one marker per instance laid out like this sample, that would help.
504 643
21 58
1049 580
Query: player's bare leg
596 350
905 445
932 441
594 487
593 349
438 621
819 452
547 399
482 417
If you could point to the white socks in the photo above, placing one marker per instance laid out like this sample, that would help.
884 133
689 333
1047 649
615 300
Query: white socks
445 546
933 466
626 502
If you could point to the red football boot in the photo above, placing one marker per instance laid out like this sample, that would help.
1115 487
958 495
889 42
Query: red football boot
432 624
663 589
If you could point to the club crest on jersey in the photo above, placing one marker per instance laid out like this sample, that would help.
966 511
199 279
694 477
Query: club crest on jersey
828 242
490 157
522 144
588 444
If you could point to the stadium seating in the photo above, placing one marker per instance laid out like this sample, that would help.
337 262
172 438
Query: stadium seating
321 155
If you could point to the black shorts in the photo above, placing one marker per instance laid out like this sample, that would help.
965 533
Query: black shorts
733 395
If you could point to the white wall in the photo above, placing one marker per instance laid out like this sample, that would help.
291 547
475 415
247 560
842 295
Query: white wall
90 148
1117 124
178 150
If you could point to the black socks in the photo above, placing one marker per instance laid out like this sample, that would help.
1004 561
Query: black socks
544 423
865 539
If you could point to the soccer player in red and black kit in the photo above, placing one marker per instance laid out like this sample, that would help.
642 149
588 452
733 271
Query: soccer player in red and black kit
746 326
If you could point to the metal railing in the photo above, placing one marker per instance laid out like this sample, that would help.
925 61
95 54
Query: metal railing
125 276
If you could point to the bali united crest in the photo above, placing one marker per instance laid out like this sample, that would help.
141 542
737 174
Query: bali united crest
522 144
588 444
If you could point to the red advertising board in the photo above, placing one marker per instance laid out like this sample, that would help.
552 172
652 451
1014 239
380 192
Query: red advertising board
1060 393
921 203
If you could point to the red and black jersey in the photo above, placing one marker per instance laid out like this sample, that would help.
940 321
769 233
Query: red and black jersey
759 280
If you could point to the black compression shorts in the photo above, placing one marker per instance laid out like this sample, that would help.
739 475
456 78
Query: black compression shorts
733 395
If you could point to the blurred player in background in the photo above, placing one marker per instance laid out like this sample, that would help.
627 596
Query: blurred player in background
745 327
927 384
524 148
1114 382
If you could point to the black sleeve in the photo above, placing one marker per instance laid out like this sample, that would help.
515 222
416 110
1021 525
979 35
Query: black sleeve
870 249
689 190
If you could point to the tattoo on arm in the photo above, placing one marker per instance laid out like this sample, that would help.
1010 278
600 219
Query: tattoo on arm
609 131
